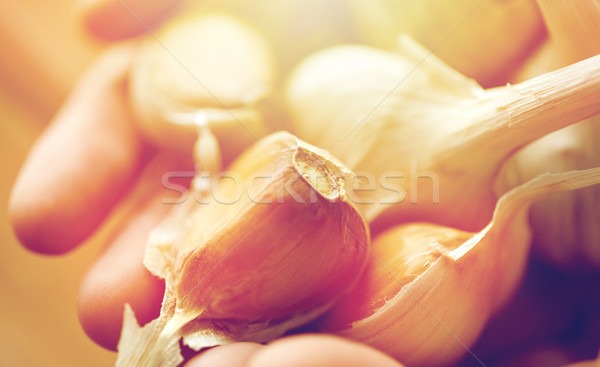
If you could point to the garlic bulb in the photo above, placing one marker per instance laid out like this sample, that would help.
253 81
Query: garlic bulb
247 263
564 225
484 40
209 65
429 289
294 28
407 122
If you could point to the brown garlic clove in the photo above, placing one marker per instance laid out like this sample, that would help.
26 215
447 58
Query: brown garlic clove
203 68
250 265
431 140
429 290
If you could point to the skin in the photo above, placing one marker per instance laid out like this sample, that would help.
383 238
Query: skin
91 161
296 351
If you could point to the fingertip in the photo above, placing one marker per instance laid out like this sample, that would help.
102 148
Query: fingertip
231 355
116 20
119 277
34 222
103 295
319 350
81 165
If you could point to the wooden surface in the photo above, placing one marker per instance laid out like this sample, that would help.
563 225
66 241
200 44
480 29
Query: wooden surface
43 55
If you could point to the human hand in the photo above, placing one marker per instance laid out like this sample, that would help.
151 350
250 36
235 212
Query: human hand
91 169
86 164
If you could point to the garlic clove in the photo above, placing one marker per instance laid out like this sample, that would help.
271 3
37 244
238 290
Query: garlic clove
429 141
484 40
203 66
250 265
429 290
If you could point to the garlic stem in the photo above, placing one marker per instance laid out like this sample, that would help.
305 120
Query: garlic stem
510 117
207 153
531 109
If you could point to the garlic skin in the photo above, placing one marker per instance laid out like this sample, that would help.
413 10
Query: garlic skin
565 229
249 266
564 225
429 290
483 40
409 116
209 65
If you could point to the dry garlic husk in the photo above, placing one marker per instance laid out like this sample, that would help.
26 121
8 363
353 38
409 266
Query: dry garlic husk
565 225
565 230
482 39
203 68
429 290
428 141
248 264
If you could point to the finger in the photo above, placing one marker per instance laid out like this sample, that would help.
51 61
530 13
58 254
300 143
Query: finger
232 355
82 163
119 19
319 351
119 276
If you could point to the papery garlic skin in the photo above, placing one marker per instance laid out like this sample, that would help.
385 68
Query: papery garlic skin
209 65
250 267
484 40
565 225
400 114
434 301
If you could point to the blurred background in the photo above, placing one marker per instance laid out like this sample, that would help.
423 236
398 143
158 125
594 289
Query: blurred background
43 55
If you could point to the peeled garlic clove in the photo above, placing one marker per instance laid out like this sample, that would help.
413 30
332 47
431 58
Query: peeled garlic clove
465 33
428 140
250 265
203 64
429 290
